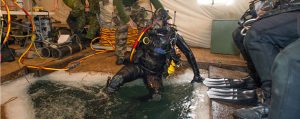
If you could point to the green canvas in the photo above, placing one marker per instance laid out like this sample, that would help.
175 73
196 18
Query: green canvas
221 37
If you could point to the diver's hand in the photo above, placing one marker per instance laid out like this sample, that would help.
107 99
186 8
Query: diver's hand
197 79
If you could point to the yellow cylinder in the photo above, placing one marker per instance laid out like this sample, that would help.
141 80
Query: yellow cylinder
171 68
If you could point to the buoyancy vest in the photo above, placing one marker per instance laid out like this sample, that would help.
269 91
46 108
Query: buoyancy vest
156 51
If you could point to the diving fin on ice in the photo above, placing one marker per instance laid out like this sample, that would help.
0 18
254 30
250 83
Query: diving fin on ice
245 83
231 95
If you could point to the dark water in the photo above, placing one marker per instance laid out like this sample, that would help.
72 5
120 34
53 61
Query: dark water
54 100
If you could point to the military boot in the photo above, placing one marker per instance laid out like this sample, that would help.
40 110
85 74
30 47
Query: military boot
120 60
258 112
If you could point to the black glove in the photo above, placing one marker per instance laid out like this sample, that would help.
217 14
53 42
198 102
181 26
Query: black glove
197 79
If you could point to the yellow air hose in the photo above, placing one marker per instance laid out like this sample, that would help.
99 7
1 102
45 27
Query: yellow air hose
8 22
33 37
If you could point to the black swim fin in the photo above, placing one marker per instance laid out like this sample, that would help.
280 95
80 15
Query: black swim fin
233 95
243 83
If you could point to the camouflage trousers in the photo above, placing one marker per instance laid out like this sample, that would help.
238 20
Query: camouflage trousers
78 18
121 40
122 30
77 24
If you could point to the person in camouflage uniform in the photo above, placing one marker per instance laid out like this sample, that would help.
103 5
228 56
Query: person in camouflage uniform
128 11
79 17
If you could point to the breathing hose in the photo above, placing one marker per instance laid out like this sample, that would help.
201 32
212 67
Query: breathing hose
139 38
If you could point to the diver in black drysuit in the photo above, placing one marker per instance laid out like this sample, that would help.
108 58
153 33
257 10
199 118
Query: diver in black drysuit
152 58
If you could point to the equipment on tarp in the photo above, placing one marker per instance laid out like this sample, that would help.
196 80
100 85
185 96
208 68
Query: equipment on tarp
66 50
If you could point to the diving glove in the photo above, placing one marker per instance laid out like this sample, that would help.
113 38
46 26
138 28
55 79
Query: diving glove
197 79
244 83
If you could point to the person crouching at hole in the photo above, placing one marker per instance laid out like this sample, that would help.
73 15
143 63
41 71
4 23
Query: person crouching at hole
152 56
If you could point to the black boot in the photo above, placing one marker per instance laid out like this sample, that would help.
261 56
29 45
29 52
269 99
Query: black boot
120 61
258 112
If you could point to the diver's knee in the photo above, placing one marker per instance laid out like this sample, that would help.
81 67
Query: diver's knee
156 97
251 38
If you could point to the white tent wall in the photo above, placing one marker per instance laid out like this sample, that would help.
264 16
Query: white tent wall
61 11
193 20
